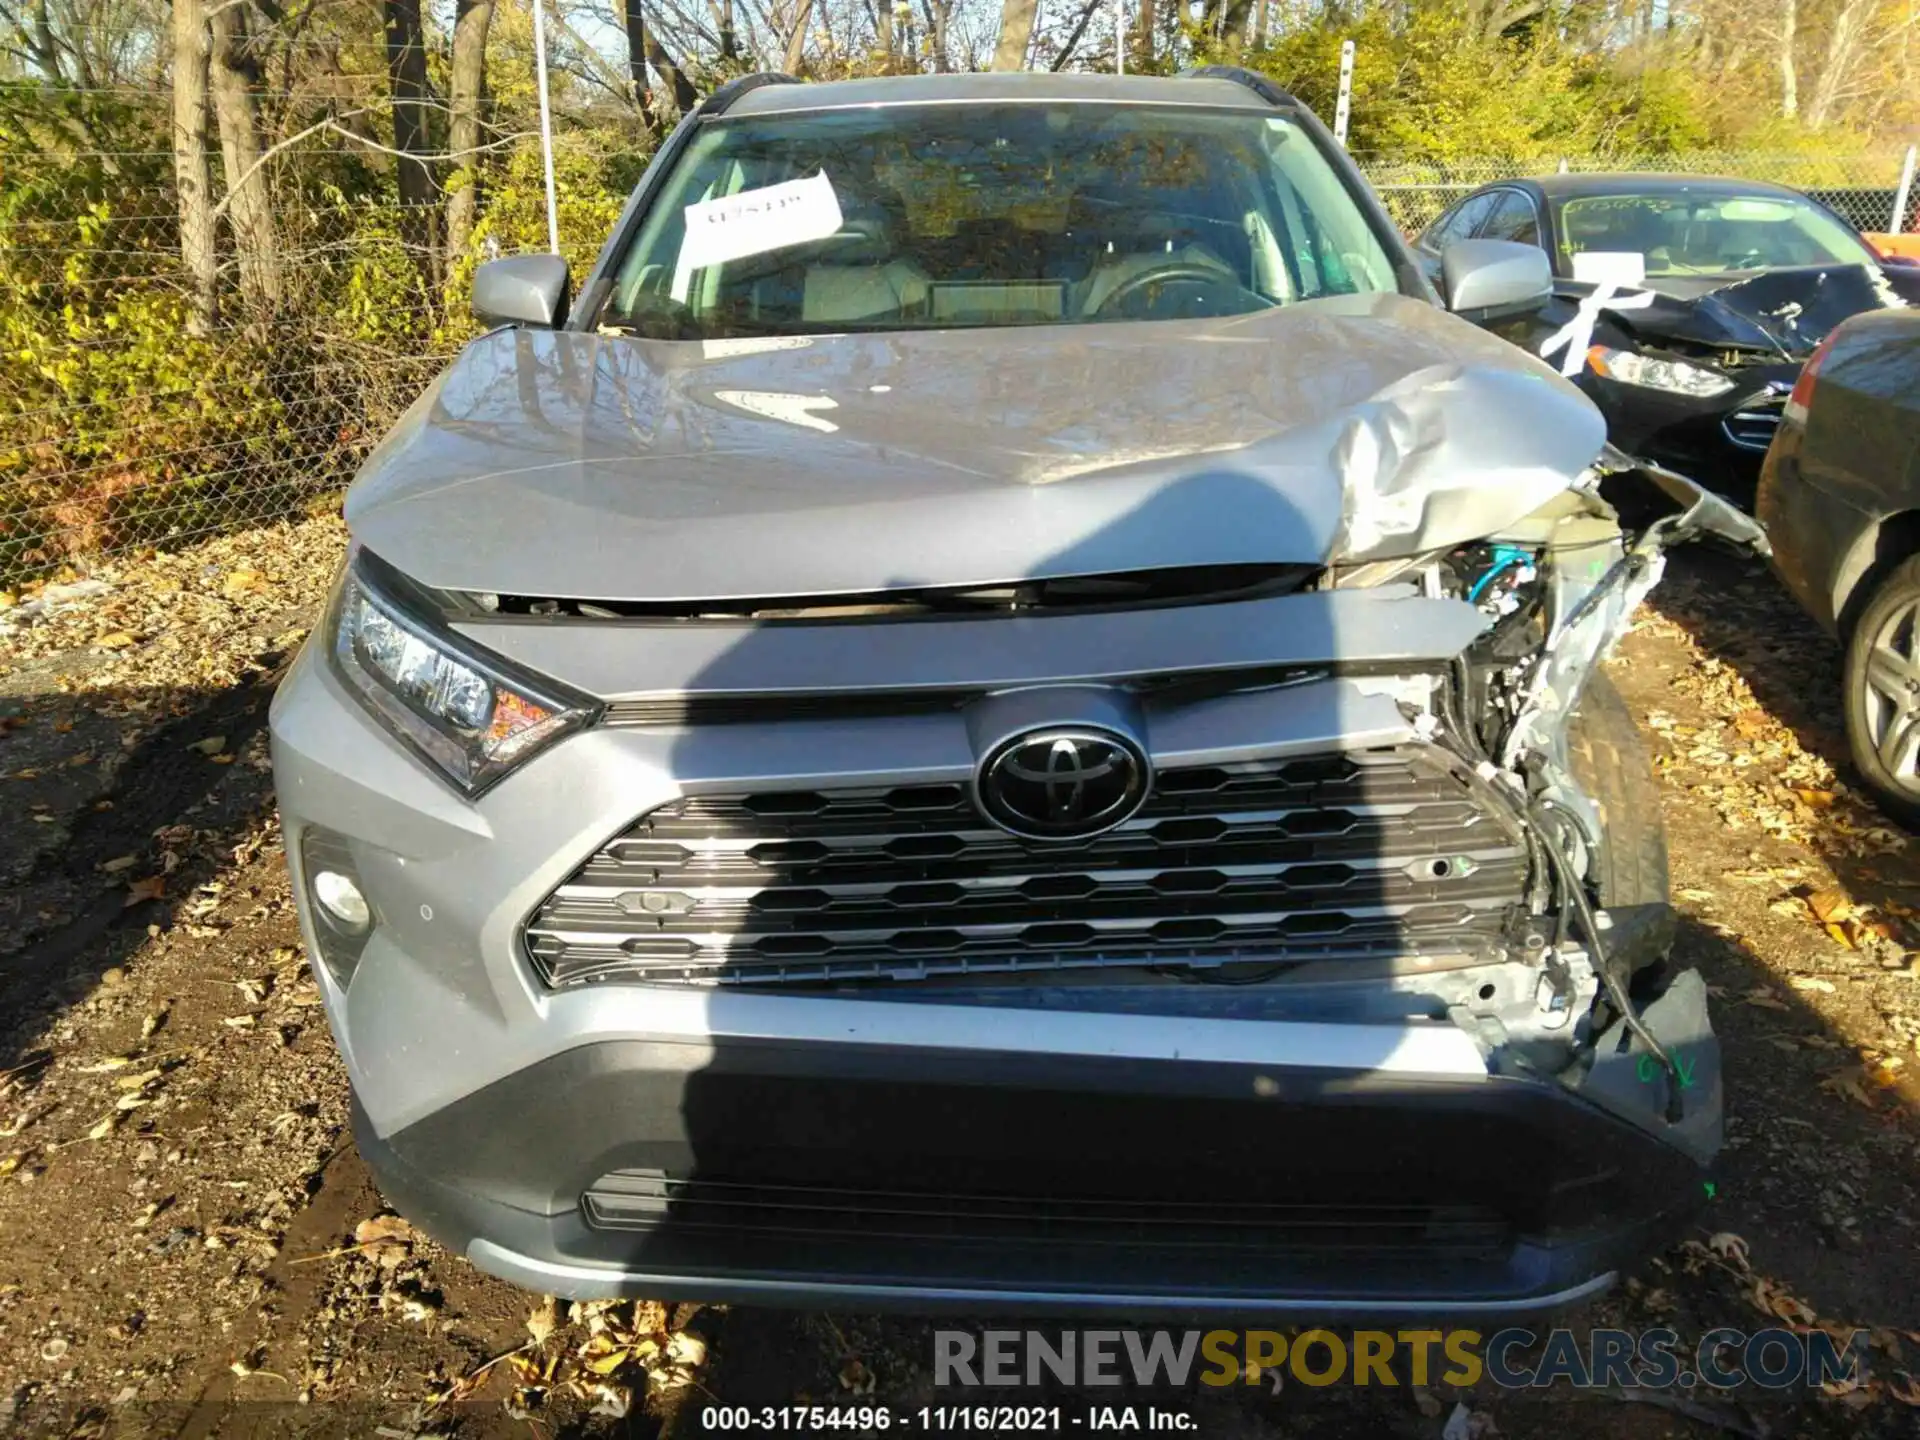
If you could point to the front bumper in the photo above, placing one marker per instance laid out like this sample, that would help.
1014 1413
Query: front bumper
1340 1150
1719 442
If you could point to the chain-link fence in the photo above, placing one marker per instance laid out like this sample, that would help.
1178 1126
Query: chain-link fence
1862 188
146 403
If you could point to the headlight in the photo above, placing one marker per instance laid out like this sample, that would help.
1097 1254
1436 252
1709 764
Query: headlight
1676 376
473 717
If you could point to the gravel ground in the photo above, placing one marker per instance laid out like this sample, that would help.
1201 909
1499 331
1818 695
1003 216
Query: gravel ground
189 1244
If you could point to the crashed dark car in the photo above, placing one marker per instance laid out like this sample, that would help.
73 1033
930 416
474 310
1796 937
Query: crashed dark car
1718 292
1840 495
1003 712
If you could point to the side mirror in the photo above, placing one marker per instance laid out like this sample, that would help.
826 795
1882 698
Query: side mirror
522 290
1493 279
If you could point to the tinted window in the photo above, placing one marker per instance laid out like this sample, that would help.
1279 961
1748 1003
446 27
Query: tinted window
919 217
1459 223
1513 218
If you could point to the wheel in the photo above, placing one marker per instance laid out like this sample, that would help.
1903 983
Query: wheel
1608 757
1881 692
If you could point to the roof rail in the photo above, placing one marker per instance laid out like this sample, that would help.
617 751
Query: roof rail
718 102
1240 75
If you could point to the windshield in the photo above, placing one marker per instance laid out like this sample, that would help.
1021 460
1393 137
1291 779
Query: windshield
1685 234
916 217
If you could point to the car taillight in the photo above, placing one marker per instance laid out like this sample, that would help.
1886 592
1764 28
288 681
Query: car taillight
1801 395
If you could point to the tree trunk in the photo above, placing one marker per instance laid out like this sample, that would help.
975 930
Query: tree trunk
1016 34
643 49
472 18
797 38
883 28
1789 77
192 171
249 208
1262 18
1843 49
407 78
936 13
1143 47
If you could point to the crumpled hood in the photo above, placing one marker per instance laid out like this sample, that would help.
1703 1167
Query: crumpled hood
605 467
1786 311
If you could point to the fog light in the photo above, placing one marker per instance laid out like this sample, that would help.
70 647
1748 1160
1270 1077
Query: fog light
342 900
341 913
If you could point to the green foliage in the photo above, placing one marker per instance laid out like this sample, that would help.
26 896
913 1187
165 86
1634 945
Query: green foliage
1426 86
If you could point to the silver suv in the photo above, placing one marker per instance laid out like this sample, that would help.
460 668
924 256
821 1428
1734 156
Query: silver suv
1003 712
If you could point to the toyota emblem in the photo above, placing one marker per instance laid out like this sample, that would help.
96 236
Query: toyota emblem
1063 783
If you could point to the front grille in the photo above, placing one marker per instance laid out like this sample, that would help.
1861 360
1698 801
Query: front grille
1752 426
1380 853
649 1200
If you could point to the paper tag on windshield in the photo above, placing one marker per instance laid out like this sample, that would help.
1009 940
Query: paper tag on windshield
756 221
1622 268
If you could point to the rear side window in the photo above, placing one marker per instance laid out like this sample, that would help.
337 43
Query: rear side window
1514 218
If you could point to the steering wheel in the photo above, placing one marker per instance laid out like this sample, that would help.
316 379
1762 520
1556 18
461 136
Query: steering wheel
1165 273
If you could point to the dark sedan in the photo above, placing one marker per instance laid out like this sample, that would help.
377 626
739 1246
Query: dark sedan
1840 497
1721 289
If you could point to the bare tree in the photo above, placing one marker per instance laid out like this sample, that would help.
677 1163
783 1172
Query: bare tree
1016 33
1788 34
1849 27
192 172
472 19
249 210
407 84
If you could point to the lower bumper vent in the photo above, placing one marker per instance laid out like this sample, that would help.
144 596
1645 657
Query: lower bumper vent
648 1200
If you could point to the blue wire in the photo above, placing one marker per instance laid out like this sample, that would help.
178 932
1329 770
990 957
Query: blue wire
1473 595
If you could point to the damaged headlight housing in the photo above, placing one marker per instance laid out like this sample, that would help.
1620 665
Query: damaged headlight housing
1675 376
471 716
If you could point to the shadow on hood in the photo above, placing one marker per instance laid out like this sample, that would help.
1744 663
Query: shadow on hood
606 467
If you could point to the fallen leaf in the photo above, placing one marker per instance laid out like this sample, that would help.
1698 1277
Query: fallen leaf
1729 1247
104 1128
685 1349
242 582
238 1022
1816 799
140 1081
613 1400
212 745
1773 1298
1904 1388
119 863
113 640
1811 982
544 1320
153 887
1848 1084
1765 999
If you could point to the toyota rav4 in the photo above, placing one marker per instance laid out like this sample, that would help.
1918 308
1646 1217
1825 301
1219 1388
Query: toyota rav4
1004 711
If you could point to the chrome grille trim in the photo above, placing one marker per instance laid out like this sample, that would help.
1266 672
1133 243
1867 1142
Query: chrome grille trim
1752 427
1379 854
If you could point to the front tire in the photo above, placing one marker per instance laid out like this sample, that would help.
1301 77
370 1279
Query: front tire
1881 693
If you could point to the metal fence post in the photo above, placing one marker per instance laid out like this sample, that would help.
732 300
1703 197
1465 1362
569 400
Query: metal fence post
546 123
1344 106
1903 190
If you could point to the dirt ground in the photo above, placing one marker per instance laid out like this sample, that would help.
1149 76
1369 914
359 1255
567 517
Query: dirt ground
185 1245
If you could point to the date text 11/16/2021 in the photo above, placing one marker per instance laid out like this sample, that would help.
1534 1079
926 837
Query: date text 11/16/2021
991 1419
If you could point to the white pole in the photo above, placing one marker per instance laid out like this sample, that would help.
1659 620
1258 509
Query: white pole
1905 189
1119 37
546 124
1345 106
